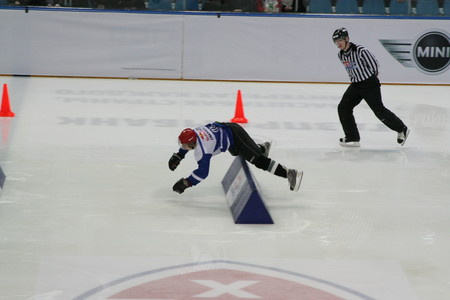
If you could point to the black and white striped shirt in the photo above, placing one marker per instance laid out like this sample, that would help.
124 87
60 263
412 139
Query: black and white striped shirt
359 63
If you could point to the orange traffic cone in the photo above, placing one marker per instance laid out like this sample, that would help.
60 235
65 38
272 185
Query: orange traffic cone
6 109
239 112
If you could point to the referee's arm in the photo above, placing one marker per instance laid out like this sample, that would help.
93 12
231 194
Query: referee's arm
370 61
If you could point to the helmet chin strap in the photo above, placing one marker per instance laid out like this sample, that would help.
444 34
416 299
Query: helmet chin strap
347 41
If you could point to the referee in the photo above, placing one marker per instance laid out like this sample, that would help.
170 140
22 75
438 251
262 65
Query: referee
362 67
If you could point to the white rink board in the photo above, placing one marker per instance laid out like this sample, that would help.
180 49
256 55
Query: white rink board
203 46
296 49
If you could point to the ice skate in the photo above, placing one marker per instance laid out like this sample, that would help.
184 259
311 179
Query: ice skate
402 136
294 178
265 147
347 143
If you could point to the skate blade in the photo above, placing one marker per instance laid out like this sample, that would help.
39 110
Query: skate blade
298 181
406 136
350 144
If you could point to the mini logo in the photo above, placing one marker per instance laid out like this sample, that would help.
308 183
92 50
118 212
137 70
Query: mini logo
430 53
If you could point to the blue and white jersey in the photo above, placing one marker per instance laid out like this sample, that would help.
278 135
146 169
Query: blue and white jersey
212 139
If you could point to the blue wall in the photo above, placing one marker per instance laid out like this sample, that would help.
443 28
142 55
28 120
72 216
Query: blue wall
165 5
424 7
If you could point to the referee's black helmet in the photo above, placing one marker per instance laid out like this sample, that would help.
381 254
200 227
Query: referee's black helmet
340 33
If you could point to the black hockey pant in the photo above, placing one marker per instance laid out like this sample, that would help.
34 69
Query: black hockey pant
245 146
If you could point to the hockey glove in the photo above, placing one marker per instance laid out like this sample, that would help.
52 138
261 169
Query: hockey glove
181 185
174 161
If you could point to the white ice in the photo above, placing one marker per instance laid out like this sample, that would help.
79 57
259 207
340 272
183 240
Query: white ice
86 166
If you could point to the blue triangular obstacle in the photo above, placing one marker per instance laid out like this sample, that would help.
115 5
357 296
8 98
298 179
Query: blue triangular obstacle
243 197
2 179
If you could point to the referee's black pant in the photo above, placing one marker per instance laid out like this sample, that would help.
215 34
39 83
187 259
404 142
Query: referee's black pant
370 91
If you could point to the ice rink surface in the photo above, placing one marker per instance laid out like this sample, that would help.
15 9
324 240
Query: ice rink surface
87 210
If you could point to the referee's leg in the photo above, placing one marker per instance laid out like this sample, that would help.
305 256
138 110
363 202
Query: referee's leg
387 117
350 99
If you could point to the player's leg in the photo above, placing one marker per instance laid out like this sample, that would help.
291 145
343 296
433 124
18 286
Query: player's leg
387 6
244 145
441 4
414 7
333 5
360 6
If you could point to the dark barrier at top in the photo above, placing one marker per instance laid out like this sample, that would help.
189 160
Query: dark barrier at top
376 7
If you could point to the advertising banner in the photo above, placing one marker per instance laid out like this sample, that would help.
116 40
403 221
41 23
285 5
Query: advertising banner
301 49
218 46
86 43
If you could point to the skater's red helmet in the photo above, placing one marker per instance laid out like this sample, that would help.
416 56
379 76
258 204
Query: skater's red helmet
187 139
